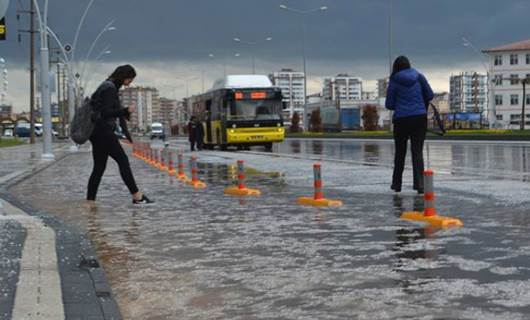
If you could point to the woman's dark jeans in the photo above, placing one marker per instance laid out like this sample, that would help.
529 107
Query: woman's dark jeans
415 129
103 146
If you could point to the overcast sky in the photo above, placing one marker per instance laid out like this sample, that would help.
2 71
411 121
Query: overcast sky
169 40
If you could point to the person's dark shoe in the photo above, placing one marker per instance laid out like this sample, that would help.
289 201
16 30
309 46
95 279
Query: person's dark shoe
420 191
144 200
396 188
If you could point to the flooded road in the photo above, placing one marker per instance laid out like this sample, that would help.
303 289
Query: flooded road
203 255
510 160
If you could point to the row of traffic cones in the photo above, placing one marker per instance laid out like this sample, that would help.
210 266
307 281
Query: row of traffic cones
163 160
155 157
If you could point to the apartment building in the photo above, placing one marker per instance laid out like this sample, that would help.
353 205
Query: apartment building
468 92
147 102
342 87
508 65
292 85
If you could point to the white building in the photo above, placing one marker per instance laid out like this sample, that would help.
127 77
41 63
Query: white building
147 101
508 65
382 85
468 92
292 85
342 87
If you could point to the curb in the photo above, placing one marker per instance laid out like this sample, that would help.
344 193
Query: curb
82 278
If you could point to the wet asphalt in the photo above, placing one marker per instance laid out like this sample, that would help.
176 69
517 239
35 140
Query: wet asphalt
198 254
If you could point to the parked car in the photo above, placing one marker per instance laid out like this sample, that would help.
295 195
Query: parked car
22 130
8 132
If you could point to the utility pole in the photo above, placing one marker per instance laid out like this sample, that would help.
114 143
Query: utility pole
31 32
58 76
523 118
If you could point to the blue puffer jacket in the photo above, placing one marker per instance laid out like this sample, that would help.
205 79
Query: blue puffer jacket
406 94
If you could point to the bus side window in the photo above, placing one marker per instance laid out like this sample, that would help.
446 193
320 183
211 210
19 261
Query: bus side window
209 110
230 108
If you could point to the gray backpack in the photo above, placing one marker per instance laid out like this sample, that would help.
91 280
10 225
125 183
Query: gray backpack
83 122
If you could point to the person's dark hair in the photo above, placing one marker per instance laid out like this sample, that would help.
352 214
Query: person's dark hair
121 73
401 63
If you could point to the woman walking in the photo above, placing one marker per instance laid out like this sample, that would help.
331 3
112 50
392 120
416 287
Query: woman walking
408 95
104 142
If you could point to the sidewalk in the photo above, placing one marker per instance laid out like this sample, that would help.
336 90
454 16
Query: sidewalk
47 270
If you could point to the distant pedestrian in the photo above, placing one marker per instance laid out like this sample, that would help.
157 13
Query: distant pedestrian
200 135
104 142
408 95
192 132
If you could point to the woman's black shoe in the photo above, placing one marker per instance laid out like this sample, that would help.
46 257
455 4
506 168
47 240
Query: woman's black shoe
395 188
144 200
420 191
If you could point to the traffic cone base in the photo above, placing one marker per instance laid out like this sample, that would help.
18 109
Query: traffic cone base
182 177
435 221
196 184
235 191
307 201
171 172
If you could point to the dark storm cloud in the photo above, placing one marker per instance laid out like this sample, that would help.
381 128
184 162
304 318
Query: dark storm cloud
350 30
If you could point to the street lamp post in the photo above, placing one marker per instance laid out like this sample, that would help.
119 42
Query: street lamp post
252 44
213 56
107 28
47 153
492 112
302 14
71 80
87 78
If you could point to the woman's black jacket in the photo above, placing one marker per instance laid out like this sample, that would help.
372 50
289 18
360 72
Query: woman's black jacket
107 100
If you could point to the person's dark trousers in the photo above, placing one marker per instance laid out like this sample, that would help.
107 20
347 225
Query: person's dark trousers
103 146
415 129
192 145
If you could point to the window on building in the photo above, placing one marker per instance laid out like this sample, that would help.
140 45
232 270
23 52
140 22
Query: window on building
498 60
498 99
515 117
499 117
514 99
498 79
528 99
514 59
514 79
528 58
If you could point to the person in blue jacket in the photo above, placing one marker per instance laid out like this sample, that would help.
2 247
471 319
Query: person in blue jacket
408 95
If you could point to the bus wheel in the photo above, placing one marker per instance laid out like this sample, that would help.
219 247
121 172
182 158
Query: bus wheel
223 147
268 146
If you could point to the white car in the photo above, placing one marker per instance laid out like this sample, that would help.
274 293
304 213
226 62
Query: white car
39 130
8 133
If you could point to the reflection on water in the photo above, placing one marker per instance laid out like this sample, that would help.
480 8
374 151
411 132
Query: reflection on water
510 161
317 146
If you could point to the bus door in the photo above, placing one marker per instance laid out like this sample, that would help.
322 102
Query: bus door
209 121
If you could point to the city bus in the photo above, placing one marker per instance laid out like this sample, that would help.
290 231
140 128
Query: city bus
241 111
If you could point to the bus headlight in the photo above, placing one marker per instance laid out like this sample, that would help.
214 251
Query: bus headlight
232 131
280 129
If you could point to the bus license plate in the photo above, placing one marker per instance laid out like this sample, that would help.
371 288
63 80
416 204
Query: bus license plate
257 137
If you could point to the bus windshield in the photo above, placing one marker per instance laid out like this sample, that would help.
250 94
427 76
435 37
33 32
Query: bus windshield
256 110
